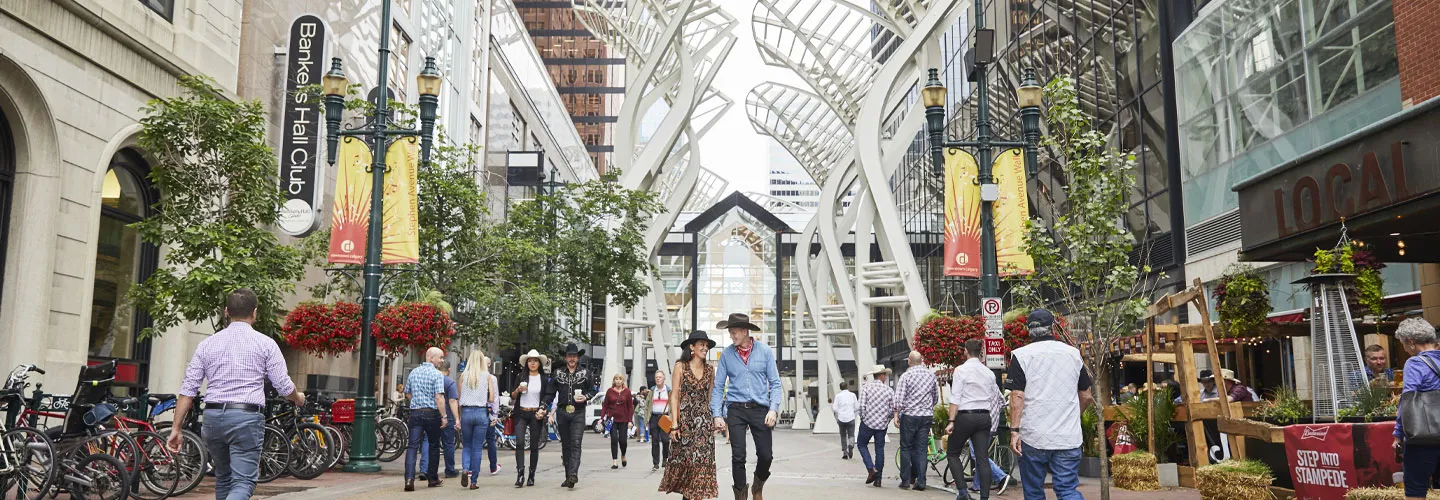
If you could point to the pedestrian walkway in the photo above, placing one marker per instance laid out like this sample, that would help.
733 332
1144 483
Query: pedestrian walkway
806 466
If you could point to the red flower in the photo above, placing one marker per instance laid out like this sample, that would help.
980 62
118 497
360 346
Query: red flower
408 325
323 330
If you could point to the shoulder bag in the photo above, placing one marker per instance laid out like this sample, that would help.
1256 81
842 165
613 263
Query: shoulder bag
1418 415
665 423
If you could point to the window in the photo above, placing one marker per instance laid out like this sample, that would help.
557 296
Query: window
166 8
7 182
121 260
399 62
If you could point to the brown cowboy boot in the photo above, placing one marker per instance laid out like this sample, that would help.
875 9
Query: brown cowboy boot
741 492
757 489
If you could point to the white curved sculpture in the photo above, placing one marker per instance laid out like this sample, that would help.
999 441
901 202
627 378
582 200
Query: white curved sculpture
674 50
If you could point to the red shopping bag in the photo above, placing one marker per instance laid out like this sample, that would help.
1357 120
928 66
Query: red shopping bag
510 426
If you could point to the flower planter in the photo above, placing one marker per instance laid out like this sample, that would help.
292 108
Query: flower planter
1090 467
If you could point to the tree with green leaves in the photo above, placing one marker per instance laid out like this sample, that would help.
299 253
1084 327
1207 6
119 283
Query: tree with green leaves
1082 256
220 194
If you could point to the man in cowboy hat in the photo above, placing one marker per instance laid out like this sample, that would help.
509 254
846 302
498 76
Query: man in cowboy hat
571 382
877 409
746 396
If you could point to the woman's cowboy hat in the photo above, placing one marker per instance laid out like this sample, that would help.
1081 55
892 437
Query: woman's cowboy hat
525 358
697 336
571 348
737 320
878 369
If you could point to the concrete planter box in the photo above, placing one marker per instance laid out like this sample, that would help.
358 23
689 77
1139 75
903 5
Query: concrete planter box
1169 475
1090 467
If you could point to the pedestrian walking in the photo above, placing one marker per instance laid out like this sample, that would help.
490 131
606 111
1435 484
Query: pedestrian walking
448 432
642 431
746 396
844 406
478 397
426 386
877 409
532 396
657 404
975 404
691 471
571 382
619 406
916 395
1048 386
234 363
1421 379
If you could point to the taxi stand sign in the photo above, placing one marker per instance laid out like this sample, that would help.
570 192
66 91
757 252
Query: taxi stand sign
994 314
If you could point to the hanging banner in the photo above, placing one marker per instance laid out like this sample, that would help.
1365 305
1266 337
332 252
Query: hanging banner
300 127
402 208
962 215
1011 212
351 210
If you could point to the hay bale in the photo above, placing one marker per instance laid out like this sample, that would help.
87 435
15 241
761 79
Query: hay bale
1234 480
1392 493
1135 471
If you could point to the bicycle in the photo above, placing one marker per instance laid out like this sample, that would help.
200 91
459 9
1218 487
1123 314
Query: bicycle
91 461
313 450
27 456
193 459
392 435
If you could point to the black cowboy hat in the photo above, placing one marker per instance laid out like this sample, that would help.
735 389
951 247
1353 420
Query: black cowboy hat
571 348
697 336
737 320
1206 375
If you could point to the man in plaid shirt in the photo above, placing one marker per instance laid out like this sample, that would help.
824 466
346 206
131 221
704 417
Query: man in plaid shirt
877 409
915 399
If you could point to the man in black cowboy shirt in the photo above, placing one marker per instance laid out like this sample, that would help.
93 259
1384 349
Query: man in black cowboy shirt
571 382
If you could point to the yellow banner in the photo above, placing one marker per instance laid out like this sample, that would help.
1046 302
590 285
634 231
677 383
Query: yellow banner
402 208
350 214
1011 212
962 215
350 218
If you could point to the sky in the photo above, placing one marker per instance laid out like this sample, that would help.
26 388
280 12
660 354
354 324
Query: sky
732 149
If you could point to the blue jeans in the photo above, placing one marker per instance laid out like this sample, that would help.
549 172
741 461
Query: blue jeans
475 433
1064 465
234 438
914 449
996 475
423 423
863 440
447 449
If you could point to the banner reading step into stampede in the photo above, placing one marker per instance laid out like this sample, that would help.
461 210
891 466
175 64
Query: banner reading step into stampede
350 219
962 214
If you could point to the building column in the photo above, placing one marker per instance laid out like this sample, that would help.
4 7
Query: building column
1430 291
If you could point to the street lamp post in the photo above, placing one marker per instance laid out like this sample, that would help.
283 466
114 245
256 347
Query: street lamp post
378 133
1029 96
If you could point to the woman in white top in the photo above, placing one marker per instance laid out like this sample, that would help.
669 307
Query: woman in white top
477 404
533 395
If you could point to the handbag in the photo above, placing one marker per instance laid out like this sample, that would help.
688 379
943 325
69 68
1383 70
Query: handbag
1418 415
666 423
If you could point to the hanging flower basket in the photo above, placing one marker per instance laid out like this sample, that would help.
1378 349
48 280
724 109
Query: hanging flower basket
1242 299
941 338
1369 283
411 325
323 330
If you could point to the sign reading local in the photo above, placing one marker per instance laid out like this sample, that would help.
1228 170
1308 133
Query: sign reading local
994 314
300 128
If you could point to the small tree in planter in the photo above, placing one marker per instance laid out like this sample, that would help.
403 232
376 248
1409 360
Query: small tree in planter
1242 299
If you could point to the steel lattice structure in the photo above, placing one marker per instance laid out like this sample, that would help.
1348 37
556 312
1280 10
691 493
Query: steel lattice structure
675 49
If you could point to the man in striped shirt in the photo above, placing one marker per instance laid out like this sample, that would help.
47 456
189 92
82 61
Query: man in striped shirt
915 399
877 409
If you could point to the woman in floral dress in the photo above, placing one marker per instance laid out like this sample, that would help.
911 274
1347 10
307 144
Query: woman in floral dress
691 469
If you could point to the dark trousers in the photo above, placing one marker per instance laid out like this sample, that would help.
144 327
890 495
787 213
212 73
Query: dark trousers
425 423
739 420
914 446
659 441
878 462
618 439
572 431
975 428
527 423
1419 464
847 437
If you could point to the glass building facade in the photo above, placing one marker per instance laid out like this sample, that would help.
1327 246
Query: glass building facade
588 74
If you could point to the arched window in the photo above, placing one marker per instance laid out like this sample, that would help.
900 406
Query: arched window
121 260
7 183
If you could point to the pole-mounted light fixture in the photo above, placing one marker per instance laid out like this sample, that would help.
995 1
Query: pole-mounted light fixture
428 82
1030 96
334 85
933 96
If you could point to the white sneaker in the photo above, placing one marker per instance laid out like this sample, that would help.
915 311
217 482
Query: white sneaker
497 470
1004 483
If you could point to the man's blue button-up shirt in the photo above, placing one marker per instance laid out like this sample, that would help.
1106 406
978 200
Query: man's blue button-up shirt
739 382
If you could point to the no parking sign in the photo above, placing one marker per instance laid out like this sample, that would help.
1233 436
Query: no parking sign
994 314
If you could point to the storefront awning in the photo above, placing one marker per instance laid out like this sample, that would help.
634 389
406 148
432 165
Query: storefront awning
1383 181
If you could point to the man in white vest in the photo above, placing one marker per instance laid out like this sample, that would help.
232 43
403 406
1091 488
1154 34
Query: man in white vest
1048 386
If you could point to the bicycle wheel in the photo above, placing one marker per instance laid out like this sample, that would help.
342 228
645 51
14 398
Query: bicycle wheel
337 445
32 456
310 451
98 477
1004 458
158 472
193 460
274 454
391 438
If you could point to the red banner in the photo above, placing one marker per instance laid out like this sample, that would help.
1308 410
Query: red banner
962 215
1327 460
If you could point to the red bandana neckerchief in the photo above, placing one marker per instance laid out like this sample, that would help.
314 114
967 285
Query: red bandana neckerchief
745 352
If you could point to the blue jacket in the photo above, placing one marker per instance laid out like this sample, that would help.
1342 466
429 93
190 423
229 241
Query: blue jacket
739 382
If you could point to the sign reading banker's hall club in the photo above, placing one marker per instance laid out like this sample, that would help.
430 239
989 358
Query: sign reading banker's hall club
300 127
